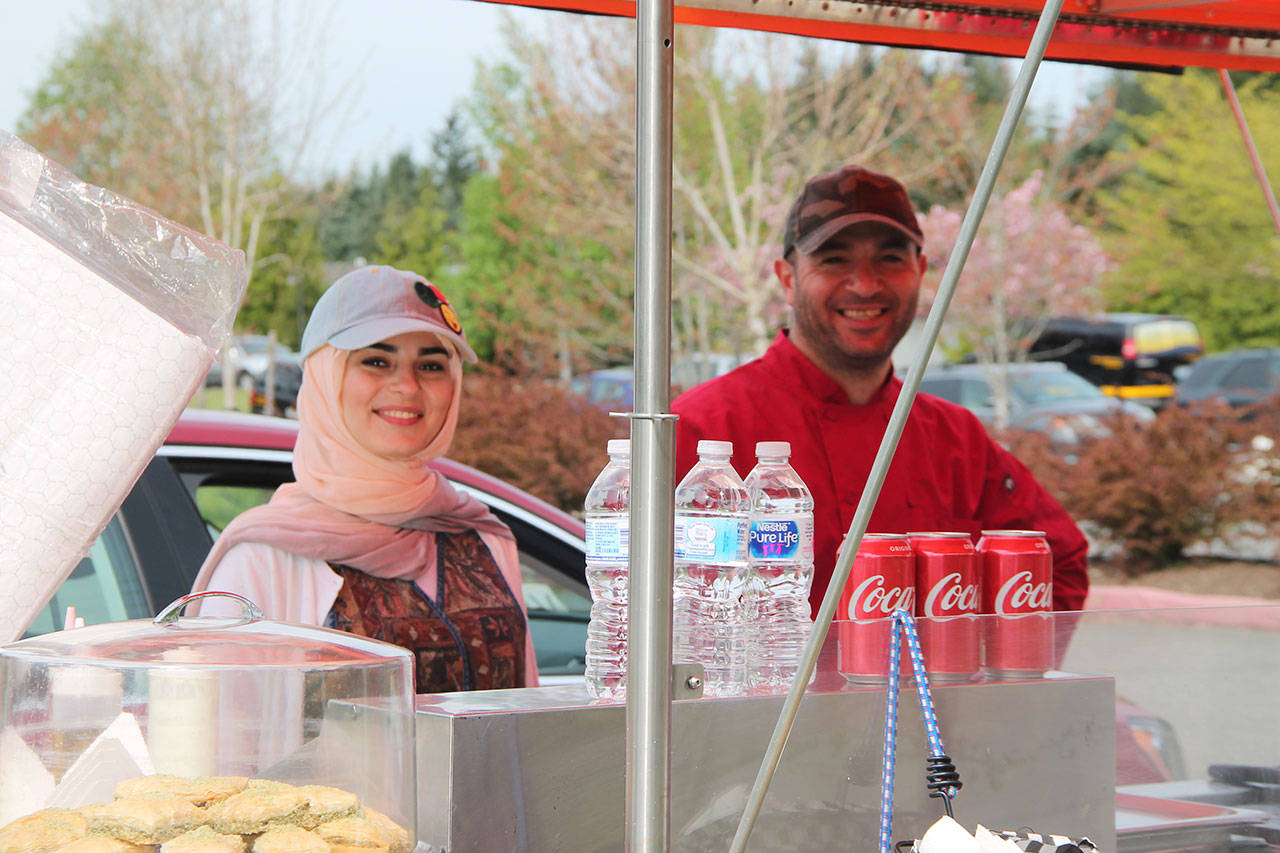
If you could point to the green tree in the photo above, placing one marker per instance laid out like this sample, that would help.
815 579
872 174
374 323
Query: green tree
201 109
75 118
524 289
454 160
348 225
754 117
290 276
1187 223
411 235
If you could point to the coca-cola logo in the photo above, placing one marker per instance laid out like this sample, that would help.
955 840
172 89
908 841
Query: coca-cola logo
950 597
1020 595
873 598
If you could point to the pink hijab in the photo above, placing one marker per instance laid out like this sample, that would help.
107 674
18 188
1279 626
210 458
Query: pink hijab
350 506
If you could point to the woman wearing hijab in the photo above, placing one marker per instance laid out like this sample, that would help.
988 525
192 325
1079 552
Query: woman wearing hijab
370 539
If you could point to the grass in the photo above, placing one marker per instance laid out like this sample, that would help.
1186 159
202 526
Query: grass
212 398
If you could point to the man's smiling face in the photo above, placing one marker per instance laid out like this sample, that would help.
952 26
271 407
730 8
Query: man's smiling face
854 297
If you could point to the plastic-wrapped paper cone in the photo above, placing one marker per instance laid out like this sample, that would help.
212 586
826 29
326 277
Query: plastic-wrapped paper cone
111 316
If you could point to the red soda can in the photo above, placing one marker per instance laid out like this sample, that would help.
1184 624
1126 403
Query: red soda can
881 581
1017 586
947 600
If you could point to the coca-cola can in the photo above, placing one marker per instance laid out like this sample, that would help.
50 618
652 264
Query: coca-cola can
881 581
1017 586
947 580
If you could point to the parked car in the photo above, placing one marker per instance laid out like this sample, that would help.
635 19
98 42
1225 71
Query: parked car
1241 378
286 380
609 387
214 465
248 356
614 387
1128 356
1044 397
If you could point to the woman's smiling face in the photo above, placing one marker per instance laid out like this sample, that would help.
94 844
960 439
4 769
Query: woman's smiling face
396 393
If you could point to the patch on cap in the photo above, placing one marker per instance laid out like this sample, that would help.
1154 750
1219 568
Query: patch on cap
427 293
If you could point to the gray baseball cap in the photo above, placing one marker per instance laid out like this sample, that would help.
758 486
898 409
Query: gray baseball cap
371 304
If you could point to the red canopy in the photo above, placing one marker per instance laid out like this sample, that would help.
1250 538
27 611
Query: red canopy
1233 34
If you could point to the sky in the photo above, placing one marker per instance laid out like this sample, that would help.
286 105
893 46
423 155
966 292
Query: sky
411 60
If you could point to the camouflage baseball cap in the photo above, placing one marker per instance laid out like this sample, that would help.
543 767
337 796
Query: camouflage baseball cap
835 200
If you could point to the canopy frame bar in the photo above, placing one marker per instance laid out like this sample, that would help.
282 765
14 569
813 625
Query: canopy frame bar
648 746
1259 171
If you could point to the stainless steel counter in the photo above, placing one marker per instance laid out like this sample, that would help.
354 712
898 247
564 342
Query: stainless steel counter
543 769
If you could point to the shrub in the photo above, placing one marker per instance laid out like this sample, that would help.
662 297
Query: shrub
1190 475
533 434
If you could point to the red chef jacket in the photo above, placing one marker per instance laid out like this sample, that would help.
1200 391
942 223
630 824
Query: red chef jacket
947 473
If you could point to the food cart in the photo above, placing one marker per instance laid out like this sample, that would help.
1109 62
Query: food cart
541 769
1233 34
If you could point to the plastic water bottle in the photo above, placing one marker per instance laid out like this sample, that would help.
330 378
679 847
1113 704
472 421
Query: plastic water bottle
608 509
711 517
781 556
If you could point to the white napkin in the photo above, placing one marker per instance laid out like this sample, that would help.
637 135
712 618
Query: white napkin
989 842
947 836
118 753
25 784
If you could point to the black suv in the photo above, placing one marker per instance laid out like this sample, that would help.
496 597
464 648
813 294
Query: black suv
1130 356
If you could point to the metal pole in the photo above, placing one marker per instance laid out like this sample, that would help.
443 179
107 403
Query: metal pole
652 443
898 420
1258 169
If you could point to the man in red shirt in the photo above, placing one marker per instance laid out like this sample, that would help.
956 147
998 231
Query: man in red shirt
851 269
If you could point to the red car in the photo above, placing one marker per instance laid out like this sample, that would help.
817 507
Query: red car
214 465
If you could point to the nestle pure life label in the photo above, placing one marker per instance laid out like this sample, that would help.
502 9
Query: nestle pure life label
786 539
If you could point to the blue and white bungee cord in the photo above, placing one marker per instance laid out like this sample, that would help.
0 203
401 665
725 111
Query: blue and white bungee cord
942 779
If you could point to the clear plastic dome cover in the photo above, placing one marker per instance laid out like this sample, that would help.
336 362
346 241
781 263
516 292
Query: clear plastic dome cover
257 724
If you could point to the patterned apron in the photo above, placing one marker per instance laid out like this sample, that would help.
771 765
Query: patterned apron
470 636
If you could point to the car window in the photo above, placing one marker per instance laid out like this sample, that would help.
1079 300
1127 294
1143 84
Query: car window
1165 335
947 389
1052 387
558 617
219 504
612 390
104 587
1203 373
1248 373
976 394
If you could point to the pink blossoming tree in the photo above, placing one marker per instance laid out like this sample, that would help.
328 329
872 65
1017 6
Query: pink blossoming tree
1028 263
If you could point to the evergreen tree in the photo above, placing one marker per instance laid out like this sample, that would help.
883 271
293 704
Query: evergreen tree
454 160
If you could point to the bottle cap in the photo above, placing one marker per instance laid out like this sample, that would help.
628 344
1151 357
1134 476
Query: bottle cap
773 448
715 448
618 447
